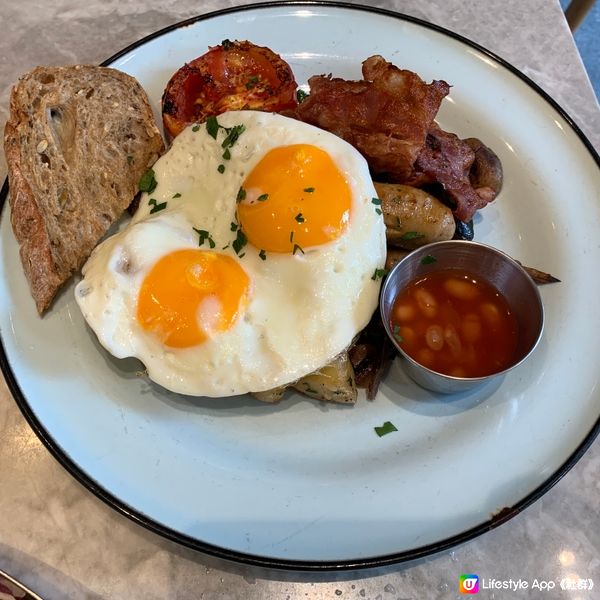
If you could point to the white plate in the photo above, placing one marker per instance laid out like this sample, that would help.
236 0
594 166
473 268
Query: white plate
304 484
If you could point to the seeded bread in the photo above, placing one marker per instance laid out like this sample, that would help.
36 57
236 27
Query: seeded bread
77 141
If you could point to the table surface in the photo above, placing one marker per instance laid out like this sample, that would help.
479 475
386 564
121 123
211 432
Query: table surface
63 542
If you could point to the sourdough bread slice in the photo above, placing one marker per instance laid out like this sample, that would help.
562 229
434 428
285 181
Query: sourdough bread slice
77 141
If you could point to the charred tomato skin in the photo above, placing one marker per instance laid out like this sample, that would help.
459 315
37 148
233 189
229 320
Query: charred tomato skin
231 76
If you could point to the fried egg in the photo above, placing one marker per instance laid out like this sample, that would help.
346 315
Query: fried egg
251 262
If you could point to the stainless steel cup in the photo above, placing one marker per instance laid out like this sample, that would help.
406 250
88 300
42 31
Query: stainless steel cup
489 264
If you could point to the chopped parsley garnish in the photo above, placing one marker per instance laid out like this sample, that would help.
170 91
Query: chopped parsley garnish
147 182
177 195
130 159
240 241
241 195
428 259
225 247
412 235
156 207
291 236
301 95
221 168
252 81
297 248
233 133
386 428
376 201
195 128
378 211
226 44
204 236
262 197
234 226
299 218
212 126
378 274
263 255
309 190
396 334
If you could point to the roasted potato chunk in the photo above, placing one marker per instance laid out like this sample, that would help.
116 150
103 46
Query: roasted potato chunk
270 396
333 383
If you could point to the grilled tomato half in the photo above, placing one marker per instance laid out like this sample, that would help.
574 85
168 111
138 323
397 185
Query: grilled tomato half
231 76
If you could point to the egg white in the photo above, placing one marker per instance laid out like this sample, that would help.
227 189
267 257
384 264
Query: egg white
303 309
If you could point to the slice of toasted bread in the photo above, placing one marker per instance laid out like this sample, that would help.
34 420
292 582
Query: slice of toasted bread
77 141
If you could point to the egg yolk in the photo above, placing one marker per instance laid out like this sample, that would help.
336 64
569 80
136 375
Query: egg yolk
189 295
294 198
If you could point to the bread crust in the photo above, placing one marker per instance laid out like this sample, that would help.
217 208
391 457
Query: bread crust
29 229
69 180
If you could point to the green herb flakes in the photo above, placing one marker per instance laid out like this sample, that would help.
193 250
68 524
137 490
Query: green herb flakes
155 206
240 241
263 255
379 274
195 128
130 159
147 182
299 218
396 334
221 168
252 81
387 427
241 195
301 96
234 226
428 259
376 201
212 127
297 248
378 211
177 195
263 197
412 235
233 133
204 236
227 44
309 190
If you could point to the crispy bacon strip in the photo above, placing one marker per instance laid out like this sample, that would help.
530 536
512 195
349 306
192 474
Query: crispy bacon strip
386 116
447 160
389 117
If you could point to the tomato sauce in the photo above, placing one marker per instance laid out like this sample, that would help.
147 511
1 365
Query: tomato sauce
455 323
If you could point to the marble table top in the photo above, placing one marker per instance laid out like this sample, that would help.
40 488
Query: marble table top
63 542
